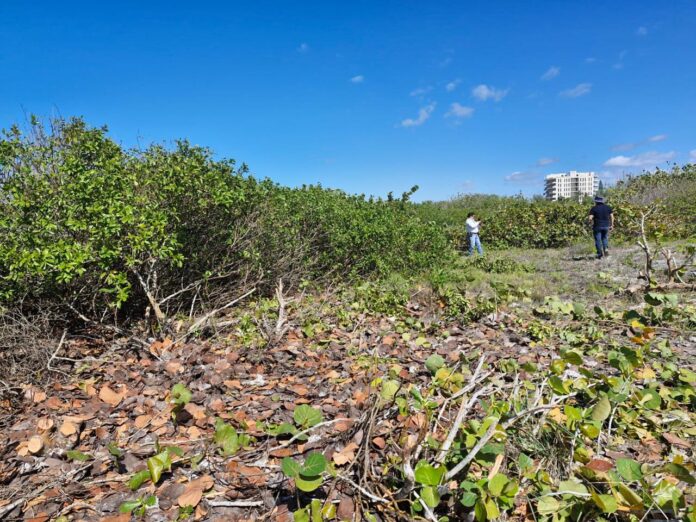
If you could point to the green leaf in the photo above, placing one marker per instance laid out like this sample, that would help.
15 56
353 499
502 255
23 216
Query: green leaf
468 499
629 469
492 510
389 389
158 464
306 416
78 455
548 506
524 462
607 503
137 480
590 430
573 487
314 465
114 450
434 363
180 395
427 474
129 506
290 467
226 437
307 484
430 496
150 501
573 357
497 483
601 410
557 385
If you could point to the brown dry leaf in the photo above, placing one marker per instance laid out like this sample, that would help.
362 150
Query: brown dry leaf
118 518
68 428
344 425
379 442
599 465
109 396
39 396
197 412
676 441
142 420
346 455
35 444
496 466
45 424
346 509
388 340
300 390
191 496
255 476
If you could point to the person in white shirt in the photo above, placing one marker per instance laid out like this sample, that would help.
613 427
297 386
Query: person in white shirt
472 229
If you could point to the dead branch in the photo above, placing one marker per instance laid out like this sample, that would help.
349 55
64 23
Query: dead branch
203 321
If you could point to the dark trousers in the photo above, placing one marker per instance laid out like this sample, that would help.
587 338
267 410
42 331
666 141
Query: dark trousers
601 240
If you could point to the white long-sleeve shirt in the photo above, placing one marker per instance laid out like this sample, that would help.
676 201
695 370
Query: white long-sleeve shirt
472 226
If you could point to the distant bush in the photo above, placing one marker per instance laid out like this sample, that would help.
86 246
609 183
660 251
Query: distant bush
515 221
106 230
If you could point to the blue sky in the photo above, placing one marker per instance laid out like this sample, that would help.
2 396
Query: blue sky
370 96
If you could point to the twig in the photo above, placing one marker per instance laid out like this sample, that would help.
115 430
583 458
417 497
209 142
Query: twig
304 432
428 512
364 491
472 454
204 320
55 353
461 415
235 503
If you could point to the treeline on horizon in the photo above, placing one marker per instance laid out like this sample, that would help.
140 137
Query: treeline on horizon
104 231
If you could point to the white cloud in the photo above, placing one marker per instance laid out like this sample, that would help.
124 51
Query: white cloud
692 155
542 162
642 31
423 115
657 137
618 66
303 48
579 90
646 159
551 73
452 85
357 79
420 91
484 92
590 59
459 111
522 177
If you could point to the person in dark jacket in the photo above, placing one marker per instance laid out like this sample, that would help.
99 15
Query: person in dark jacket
602 220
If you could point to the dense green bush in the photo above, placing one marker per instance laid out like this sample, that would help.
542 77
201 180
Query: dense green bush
521 222
89 224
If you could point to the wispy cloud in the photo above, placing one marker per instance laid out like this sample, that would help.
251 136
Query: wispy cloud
590 59
646 159
623 147
303 47
459 112
423 116
484 92
551 73
692 155
542 162
420 91
642 31
580 89
521 177
452 85
357 79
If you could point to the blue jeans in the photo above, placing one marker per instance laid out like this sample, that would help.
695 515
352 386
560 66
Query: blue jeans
601 240
475 242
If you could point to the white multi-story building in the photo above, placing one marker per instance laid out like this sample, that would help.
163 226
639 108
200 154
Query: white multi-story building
571 185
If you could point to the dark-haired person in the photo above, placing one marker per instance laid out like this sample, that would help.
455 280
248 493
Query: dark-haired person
602 220
472 230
